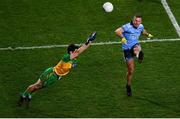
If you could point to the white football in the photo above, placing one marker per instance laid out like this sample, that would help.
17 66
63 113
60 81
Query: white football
108 7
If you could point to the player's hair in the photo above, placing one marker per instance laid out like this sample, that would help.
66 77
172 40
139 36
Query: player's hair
137 15
72 47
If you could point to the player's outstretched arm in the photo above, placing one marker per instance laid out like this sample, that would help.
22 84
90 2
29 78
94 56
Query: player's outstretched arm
88 42
91 38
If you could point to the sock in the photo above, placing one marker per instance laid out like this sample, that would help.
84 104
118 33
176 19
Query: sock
27 94
137 54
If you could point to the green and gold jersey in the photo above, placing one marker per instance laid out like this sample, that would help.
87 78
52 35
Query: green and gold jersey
64 66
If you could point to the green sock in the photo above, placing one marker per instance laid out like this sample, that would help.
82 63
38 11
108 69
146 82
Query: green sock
27 94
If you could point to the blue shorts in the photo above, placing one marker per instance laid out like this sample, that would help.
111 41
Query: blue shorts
129 53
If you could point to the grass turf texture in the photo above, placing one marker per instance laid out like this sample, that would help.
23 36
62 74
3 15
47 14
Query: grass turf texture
96 88
173 4
31 22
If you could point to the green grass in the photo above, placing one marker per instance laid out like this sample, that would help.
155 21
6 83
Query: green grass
96 88
31 22
173 4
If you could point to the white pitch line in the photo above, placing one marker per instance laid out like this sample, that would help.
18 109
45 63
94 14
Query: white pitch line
171 16
100 43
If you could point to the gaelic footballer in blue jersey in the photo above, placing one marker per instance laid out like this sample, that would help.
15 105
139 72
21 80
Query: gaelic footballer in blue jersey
129 34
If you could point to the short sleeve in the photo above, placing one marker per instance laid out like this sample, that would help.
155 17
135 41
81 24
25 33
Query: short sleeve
142 27
125 27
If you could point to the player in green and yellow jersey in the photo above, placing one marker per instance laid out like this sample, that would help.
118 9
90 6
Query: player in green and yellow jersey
52 74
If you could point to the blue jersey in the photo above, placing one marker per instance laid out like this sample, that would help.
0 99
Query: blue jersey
131 34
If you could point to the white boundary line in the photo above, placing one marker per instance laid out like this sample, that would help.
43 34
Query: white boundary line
100 43
171 16
166 7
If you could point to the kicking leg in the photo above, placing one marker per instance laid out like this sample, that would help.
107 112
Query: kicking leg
138 53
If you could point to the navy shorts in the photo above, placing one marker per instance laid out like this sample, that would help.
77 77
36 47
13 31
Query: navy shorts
129 54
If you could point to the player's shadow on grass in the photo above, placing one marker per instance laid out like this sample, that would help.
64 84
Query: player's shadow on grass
33 112
156 103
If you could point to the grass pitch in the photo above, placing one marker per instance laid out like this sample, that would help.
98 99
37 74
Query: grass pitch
96 88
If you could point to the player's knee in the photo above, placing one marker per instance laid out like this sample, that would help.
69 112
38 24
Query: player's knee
130 71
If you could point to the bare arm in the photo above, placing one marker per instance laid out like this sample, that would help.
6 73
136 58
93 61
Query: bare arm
144 32
83 48
119 32
79 51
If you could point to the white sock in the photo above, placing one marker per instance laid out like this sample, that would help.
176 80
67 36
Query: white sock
137 55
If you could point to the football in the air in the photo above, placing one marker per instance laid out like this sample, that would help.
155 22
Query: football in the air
108 7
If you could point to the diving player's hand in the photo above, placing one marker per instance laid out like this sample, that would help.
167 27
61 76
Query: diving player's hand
92 37
123 40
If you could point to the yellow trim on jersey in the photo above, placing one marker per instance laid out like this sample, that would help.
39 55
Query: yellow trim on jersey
63 68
